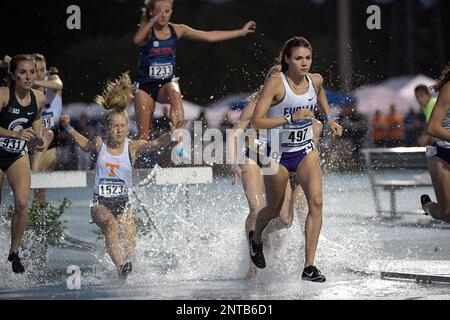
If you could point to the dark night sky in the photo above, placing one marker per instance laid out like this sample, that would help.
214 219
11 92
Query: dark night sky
104 48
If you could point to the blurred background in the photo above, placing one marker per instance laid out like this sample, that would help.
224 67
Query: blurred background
364 70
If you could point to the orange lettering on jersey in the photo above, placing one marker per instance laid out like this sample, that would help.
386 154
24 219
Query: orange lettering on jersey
112 167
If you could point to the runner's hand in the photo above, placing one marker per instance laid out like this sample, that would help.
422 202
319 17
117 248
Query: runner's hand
26 134
302 114
159 15
335 128
236 173
249 27
40 144
6 60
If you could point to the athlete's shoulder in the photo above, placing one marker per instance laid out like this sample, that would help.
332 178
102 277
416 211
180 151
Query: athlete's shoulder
40 97
317 79
180 29
98 142
444 97
4 91
275 79
274 82
4 96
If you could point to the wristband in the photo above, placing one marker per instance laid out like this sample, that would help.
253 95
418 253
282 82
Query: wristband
68 128
152 21
328 117
288 118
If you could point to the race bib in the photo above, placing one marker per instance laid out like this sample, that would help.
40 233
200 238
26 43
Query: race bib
296 135
111 190
161 71
12 145
48 122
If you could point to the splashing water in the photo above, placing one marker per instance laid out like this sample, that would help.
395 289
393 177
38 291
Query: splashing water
202 245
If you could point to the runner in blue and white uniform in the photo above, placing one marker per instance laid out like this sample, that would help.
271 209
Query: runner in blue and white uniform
51 85
20 122
439 154
286 107
116 153
157 39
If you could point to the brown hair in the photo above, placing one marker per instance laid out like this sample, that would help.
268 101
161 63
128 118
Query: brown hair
15 62
422 88
116 94
296 42
444 78
255 95
149 5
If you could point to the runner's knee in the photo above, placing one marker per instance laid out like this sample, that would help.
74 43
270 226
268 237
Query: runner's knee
49 135
21 205
316 203
286 219
175 98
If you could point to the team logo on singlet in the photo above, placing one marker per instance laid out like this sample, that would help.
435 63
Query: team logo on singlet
112 167
14 111
156 44
18 124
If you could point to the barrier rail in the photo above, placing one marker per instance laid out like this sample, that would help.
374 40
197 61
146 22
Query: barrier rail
85 179
405 157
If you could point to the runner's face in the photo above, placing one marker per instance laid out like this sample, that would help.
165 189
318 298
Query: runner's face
300 60
118 128
41 69
165 9
25 74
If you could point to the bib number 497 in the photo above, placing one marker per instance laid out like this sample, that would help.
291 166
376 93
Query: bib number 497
298 136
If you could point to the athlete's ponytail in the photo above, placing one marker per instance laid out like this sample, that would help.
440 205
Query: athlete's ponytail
117 94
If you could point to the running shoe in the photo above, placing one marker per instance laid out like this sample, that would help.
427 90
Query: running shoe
425 199
17 266
256 252
313 274
124 271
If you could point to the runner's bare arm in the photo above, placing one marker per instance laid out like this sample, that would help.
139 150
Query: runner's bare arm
84 143
272 92
184 31
322 101
435 127
53 82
